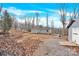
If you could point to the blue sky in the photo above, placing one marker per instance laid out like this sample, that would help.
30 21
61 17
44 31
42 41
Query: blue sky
29 9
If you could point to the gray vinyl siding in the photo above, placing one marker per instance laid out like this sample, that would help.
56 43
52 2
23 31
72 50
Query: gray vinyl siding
74 28
70 34
39 31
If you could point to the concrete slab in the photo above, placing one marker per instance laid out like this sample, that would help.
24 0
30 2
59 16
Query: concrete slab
67 43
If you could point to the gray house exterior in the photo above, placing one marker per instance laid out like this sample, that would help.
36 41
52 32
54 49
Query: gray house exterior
40 30
73 31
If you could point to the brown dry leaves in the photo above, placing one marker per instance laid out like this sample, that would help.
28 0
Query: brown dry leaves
10 45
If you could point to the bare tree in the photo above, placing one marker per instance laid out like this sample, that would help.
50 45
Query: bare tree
22 23
73 15
1 8
78 14
37 21
63 19
52 27
0 15
33 22
47 21
25 24
29 24
14 25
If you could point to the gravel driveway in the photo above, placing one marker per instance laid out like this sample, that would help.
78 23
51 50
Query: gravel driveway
52 48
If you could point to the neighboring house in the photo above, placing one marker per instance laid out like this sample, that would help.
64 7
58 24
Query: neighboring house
42 30
73 31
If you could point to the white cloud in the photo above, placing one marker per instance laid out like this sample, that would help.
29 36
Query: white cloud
18 12
53 10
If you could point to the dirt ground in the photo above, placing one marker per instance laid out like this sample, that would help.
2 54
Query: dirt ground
19 43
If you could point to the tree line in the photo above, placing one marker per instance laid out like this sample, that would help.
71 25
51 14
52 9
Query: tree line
7 21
